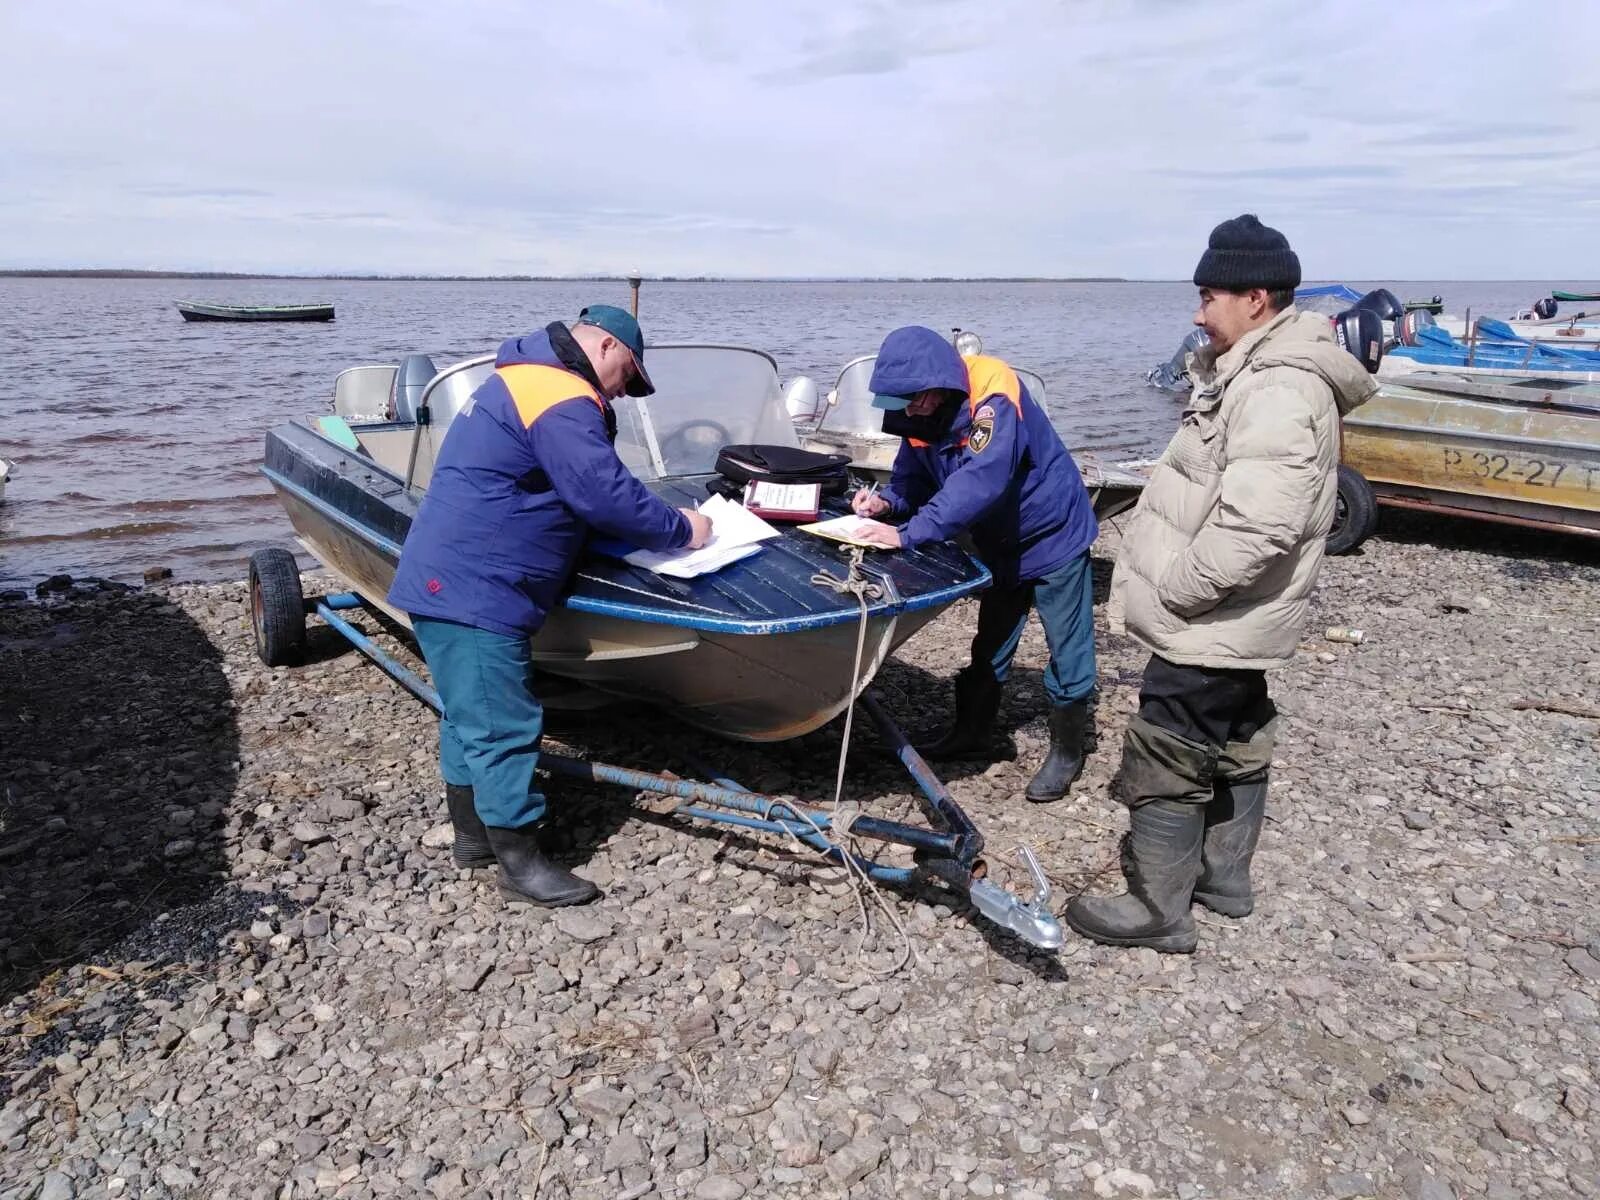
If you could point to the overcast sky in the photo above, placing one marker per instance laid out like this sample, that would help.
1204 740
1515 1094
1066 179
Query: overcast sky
1389 140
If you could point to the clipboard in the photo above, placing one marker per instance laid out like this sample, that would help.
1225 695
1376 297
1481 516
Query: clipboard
840 529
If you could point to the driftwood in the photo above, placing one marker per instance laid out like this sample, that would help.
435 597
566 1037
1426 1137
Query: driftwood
1566 707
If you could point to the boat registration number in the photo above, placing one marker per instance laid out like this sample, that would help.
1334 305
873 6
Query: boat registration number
1514 468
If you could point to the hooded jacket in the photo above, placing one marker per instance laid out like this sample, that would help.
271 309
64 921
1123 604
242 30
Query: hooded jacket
998 469
526 469
1218 563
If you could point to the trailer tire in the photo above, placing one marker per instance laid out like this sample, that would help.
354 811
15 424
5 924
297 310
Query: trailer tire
1355 514
277 607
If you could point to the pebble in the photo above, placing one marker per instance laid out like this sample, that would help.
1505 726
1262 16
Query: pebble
352 1015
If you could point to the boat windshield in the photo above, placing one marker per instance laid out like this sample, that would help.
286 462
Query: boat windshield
849 409
706 397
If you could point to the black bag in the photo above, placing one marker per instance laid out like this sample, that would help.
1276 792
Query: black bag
738 465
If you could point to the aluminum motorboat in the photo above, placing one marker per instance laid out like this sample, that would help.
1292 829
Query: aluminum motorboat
761 650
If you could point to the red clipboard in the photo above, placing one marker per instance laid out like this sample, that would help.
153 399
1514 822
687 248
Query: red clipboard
783 501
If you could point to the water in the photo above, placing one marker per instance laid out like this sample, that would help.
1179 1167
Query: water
137 436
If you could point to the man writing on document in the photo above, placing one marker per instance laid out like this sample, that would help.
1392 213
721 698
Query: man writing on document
979 455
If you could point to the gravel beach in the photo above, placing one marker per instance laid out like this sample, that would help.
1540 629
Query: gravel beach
236 960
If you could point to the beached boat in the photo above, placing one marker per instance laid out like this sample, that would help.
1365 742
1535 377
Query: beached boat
1579 330
1494 350
760 650
844 422
196 311
1523 451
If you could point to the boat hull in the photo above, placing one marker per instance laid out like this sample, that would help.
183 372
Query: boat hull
223 312
752 681
1523 463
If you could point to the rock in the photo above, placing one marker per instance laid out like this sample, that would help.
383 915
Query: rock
308 834
440 837
1416 820
55 585
1354 1114
1121 1181
1336 1025
602 1103
468 977
56 1186
268 1045
315 924
1585 964
1470 898
861 999
624 1150
854 1161
1426 1187
1517 1129
582 925
157 574
1349 1186
719 1187
1311 987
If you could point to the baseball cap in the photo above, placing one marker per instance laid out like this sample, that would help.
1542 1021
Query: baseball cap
619 323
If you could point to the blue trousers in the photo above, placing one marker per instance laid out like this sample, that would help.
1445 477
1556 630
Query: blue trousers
1065 600
489 734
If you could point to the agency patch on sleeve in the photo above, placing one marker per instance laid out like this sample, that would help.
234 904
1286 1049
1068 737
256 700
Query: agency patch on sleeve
982 432
987 411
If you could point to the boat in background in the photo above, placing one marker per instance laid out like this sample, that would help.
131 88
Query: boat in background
5 474
845 422
194 310
1576 297
1492 349
763 649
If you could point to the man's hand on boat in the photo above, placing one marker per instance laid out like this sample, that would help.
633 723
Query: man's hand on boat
699 528
879 534
867 503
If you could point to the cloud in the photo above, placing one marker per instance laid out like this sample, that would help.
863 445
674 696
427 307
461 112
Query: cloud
850 137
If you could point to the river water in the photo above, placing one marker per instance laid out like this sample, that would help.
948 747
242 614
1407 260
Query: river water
138 436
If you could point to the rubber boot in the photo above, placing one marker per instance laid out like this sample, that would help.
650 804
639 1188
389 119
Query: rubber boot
1166 780
471 848
1064 763
1233 827
527 876
977 706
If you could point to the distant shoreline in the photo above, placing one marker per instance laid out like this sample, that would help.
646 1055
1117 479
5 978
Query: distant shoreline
110 273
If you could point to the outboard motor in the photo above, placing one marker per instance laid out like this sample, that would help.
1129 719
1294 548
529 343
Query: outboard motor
1409 328
1545 309
412 377
1173 375
1383 302
1360 331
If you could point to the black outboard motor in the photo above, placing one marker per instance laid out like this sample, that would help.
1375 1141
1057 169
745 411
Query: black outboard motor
1360 331
1173 375
1409 326
1383 302
1545 309
414 373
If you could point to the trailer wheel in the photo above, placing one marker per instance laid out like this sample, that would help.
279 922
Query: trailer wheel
277 607
1355 513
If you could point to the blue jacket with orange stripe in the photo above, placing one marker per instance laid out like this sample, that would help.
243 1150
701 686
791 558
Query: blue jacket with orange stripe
998 470
526 470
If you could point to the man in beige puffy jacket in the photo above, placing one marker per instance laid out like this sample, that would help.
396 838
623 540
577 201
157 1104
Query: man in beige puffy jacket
1214 577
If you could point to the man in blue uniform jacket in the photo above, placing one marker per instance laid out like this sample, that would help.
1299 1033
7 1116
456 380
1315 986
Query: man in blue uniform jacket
526 470
979 455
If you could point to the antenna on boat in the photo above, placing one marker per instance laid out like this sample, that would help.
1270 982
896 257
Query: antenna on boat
634 281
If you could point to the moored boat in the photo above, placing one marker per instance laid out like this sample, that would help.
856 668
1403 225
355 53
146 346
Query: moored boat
1575 296
761 650
5 474
194 310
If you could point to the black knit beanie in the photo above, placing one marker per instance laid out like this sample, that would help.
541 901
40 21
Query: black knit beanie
1244 253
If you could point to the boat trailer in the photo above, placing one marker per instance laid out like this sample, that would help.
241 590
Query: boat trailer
947 851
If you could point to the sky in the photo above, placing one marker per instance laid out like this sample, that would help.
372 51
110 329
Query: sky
798 138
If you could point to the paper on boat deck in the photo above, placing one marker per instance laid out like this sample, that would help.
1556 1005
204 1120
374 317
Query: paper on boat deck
842 529
736 533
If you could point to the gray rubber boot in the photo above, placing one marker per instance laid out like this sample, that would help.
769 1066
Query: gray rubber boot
1166 781
1233 827
1233 823
471 848
977 706
1068 725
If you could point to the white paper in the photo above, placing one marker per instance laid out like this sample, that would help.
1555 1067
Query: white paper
793 497
736 533
845 527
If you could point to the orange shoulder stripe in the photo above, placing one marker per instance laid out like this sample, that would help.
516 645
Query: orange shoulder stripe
536 388
991 377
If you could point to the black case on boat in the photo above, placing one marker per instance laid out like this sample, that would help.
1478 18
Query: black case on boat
739 465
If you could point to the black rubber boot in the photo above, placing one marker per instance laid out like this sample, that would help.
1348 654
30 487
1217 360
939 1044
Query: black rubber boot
527 876
977 706
1161 861
1233 827
1166 782
471 847
1064 763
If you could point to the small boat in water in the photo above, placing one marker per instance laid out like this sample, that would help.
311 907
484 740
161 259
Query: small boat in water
845 422
1577 297
196 311
761 650
5 474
